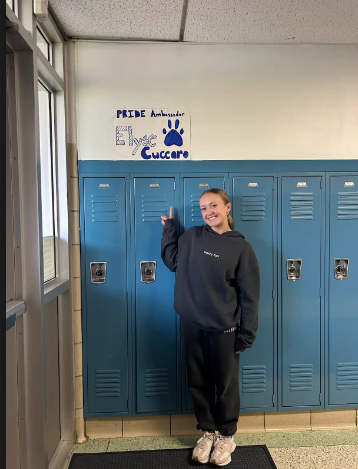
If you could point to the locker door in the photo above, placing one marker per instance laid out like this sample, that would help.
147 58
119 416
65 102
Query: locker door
106 310
156 331
343 298
253 216
193 188
301 302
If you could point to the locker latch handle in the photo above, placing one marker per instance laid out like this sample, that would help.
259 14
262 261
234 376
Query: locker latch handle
341 269
98 272
148 271
294 267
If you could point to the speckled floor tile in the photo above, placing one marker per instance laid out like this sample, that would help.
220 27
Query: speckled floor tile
316 457
272 440
154 442
93 446
310 438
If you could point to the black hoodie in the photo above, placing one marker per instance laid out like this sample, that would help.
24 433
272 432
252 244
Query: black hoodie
217 280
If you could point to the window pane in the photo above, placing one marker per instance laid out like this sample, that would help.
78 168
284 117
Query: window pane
48 225
43 43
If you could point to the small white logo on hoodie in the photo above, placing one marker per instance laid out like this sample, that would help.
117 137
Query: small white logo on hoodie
211 254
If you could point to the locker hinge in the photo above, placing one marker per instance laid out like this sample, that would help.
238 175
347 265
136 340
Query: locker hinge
224 184
273 293
273 399
124 185
174 185
320 184
127 297
320 395
273 184
320 292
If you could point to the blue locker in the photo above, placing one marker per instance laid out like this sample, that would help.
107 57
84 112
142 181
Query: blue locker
106 305
253 213
301 255
155 318
342 291
193 188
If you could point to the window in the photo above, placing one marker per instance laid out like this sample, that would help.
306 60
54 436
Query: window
47 182
44 44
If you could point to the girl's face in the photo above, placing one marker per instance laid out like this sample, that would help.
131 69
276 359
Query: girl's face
214 211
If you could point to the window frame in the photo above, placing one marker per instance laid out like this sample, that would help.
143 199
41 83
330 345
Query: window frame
32 294
40 30
12 141
53 161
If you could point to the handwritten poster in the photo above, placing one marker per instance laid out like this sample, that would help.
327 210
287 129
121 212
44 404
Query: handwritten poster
152 134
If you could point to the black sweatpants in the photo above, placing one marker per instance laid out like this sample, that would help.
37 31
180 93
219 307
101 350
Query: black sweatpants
212 364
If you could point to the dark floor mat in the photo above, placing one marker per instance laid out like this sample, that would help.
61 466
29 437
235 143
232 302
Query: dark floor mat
244 457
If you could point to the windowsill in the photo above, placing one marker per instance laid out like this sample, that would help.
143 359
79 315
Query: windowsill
52 290
14 309
48 72
55 288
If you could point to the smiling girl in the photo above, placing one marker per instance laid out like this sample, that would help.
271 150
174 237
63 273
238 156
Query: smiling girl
216 294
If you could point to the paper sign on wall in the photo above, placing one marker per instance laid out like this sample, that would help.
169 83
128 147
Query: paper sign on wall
152 134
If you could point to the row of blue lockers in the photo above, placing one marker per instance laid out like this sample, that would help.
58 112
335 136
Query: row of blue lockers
303 227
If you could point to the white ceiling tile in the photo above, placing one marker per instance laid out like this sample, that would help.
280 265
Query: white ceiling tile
272 21
120 19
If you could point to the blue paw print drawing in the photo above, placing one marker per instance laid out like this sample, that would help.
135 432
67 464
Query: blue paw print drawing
173 137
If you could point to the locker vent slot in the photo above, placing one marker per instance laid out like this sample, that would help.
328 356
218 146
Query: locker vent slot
153 207
195 211
253 379
301 205
347 376
104 208
301 378
253 207
156 382
347 205
108 383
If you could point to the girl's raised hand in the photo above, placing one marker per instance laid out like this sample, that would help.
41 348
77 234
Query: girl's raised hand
164 217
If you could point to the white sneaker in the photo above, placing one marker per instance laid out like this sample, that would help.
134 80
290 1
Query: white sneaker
202 450
223 447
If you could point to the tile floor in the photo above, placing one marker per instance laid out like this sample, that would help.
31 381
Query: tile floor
333 449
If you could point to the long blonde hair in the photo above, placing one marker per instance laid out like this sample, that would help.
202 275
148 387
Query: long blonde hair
225 199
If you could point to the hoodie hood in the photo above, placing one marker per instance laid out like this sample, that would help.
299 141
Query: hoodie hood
227 234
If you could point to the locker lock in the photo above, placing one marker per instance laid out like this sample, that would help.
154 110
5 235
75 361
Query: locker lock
341 269
98 272
148 271
294 267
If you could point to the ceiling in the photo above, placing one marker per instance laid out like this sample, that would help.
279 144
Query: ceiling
235 21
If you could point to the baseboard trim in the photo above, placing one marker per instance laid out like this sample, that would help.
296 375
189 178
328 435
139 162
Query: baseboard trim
255 422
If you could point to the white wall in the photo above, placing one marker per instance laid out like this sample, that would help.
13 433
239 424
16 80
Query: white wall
245 101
